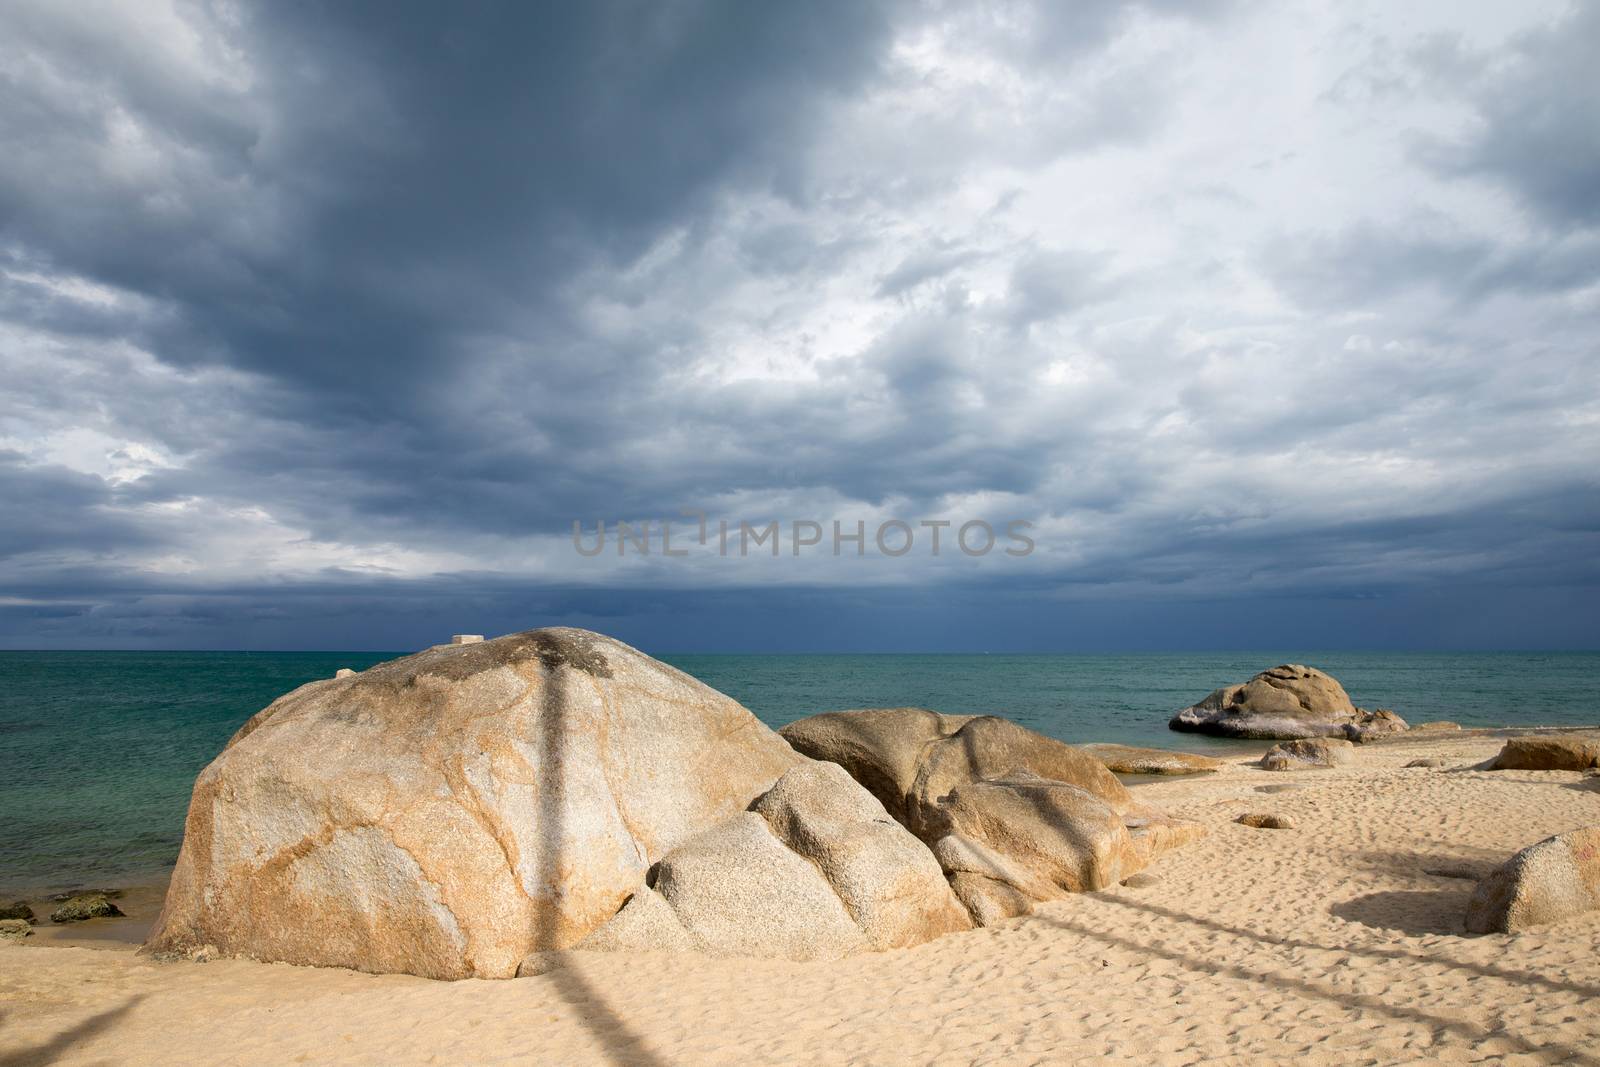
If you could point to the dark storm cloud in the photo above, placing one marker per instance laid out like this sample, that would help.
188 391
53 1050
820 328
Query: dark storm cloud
330 312
50 510
399 198
1536 131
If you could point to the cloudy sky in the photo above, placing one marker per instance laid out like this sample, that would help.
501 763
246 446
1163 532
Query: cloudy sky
320 325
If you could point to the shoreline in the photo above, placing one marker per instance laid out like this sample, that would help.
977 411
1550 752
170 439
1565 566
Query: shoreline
1339 941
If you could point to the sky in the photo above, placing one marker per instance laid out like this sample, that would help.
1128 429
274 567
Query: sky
321 325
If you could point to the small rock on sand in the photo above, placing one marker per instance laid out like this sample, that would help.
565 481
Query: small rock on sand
1311 752
1427 762
1266 821
1554 880
1141 880
14 929
1547 754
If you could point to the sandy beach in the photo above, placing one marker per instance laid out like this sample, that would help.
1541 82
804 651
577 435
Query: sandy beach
1338 942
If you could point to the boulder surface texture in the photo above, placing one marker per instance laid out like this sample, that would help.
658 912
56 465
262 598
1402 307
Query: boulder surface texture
1013 817
1556 879
1288 702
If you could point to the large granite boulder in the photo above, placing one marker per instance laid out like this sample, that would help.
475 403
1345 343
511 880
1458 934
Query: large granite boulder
815 869
1558 753
448 813
1285 703
1013 817
1127 759
1556 879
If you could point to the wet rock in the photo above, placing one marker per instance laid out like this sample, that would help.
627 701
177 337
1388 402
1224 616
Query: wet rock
85 906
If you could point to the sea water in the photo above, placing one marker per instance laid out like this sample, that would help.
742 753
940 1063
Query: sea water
99 750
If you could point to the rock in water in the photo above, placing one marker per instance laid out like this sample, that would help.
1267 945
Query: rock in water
1126 759
1013 817
1556 879
85 906
447 813
1312 752
1285 703
1547 754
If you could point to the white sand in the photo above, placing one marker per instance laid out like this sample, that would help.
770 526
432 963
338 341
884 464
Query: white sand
1327 944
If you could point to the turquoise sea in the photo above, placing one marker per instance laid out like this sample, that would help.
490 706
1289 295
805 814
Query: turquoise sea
98 750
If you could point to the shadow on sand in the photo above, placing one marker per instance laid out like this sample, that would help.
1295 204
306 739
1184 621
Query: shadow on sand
1308 988
52 1050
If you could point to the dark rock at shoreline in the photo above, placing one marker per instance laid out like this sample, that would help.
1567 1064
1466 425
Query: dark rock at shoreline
1289 702
85 906
16 910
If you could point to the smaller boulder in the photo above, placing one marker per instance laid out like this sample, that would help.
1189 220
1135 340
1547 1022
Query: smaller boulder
1429 761
1261 820
1547 754
1556 879
1311 752
16 910
1126 759
815 869
85 906
1438 726
1370 725
15 929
